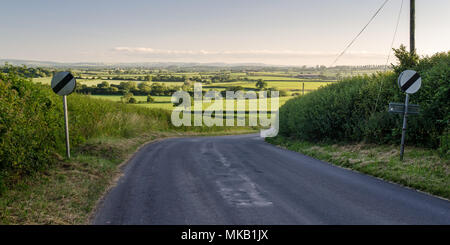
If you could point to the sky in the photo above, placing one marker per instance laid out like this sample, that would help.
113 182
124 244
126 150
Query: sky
277 32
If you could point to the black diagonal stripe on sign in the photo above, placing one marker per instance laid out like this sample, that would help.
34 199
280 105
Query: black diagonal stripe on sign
410 82
63 83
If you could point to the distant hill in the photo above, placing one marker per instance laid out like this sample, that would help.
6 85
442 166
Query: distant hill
35 63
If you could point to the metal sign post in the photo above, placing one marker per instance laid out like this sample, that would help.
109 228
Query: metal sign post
66 123
63 83
405 117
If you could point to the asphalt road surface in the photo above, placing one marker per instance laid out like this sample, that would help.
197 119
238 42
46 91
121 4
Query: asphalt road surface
244 180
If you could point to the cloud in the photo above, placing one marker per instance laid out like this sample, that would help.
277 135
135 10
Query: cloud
265 52
266 56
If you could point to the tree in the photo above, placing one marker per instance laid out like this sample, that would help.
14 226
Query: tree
128 86
235 88
150 99
261 84
144 87
158 89
126 97
132 100
405 58
113 89
187 82
148 78
104 84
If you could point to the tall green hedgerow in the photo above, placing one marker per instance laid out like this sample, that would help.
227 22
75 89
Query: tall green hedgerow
355 109
29 125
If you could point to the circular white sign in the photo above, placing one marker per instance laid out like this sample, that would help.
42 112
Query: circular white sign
63 83
409 81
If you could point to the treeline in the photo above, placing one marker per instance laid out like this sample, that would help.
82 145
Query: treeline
124 78
148 78
169 78
355 109
143 88
220 78
129 89
25 71
216 78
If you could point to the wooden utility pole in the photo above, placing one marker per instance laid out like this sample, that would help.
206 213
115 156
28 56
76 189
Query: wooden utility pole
412 25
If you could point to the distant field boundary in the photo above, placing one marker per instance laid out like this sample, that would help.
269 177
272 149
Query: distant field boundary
304 81
231 112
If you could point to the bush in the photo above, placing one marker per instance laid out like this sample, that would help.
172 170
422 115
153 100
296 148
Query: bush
150 99
355 109
29 125
132 100
283 93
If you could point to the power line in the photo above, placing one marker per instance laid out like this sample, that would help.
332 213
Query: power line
395 34
354 39
389 54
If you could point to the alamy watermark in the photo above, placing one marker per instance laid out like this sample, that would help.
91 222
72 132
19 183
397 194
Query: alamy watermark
235 103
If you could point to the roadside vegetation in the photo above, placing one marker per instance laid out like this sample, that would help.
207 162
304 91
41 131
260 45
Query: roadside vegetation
354 111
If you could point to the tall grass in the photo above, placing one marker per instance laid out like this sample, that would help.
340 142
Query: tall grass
91 117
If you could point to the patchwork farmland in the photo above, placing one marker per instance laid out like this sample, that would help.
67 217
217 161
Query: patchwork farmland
134 86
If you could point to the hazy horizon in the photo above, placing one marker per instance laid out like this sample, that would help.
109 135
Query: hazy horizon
286 33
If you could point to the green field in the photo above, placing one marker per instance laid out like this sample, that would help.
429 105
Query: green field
283 85
164 102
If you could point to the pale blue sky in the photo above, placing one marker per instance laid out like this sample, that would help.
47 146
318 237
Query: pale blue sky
275 32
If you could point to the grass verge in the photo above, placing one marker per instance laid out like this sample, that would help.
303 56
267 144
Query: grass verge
68 191
422 169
